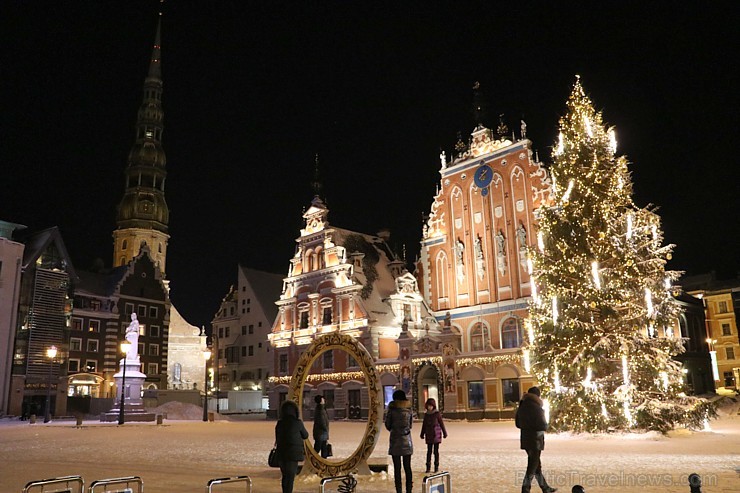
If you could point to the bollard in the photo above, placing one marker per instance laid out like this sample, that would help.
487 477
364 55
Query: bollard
211 416
32 419
694 483
159 419
79 421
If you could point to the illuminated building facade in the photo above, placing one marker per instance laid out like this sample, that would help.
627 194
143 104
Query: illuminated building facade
473 270
351 283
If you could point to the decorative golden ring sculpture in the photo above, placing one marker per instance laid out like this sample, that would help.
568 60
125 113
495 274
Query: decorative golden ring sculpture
357 462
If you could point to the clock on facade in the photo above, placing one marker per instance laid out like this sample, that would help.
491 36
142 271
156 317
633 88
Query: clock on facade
482 178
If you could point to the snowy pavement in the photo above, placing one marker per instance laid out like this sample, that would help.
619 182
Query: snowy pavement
181 456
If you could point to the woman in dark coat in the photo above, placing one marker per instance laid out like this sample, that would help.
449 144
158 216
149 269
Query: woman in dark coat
398 421
433 430
289 436
530 419
321 427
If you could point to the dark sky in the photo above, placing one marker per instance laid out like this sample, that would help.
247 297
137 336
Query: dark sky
252 90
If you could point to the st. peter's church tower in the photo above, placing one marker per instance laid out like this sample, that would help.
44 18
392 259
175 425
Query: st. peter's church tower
143 214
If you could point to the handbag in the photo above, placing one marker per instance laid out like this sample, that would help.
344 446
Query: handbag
272 459
329 451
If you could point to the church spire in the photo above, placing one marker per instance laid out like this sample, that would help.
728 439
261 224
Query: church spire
143 215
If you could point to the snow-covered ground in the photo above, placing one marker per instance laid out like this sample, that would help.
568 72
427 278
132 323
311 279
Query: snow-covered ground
182 455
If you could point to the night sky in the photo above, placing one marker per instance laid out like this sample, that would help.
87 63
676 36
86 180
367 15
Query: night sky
253 90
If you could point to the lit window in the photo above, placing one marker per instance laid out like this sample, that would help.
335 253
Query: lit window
91 365
94 326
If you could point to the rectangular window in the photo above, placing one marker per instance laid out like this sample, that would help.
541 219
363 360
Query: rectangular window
227 331
154 330
249 309
326 318
730 353
304 320
328 360
95 305
220 332
91 366
249 300
251 328
75 344
152 369
141 348
73 365
329 399
141 311
94 326
283 364
244 330
153 349
511 391
259 324
259 345
153 312
92 345
76 323
722 307
129 309
475 395
251 350
244 302
726 330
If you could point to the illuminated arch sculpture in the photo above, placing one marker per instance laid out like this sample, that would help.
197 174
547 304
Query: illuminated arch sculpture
357 462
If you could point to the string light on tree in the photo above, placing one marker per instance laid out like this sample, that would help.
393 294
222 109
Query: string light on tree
600 289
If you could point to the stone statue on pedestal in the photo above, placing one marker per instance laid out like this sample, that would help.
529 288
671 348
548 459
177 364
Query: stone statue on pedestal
132 336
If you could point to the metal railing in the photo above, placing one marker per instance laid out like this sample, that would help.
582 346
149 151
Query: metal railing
69 484
348 483
437 483
128 484
238 479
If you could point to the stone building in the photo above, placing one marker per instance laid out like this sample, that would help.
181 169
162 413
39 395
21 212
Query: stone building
351 283
473 267
11 260
240 330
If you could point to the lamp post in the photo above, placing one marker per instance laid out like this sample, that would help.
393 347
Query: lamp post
125 347
206 357
51 353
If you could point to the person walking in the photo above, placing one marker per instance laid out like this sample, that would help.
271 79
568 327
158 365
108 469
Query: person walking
398 421
321 427
530 419
289 436
433 429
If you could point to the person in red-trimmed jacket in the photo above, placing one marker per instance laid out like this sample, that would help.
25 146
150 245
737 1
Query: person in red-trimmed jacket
433 430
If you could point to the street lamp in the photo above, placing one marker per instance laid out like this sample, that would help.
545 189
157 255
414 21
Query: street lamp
51 353
125 347
206 357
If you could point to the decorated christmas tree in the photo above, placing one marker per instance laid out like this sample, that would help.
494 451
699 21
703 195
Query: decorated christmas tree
604 324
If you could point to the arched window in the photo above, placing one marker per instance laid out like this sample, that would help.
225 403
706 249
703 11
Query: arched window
511 333
441 272
124 245
309 260
478 337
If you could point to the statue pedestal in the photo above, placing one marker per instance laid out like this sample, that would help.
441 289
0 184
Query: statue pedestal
133 404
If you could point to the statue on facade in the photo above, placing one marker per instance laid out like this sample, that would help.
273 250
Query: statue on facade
443 159
501 252
132 336
479 262
521 235
459 262
524 130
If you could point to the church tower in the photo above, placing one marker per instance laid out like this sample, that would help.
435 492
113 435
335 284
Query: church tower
143 214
